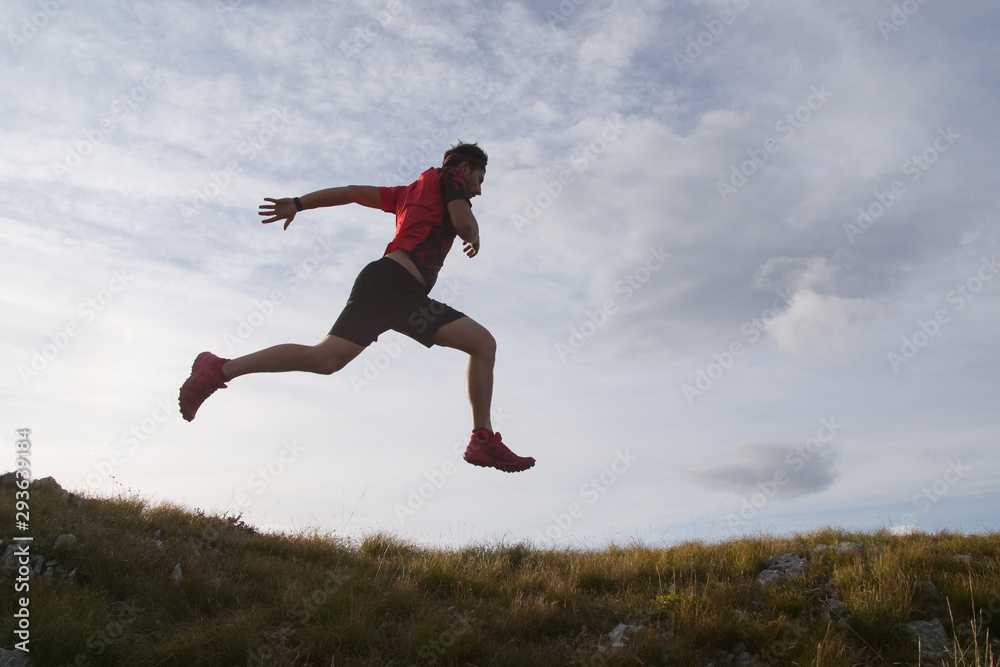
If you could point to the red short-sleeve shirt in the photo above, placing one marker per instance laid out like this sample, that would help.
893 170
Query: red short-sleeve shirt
423 226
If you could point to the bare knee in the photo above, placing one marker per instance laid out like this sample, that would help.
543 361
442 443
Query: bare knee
331 355
484 346
327 362
469 337
327 366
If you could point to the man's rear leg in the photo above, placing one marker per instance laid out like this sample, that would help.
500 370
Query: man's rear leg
325 358
211 373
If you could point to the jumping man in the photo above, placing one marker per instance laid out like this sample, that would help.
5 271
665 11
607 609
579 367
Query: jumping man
391 293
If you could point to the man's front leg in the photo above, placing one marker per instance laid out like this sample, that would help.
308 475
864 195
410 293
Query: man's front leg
469 336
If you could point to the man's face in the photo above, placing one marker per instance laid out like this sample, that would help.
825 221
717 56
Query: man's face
473 179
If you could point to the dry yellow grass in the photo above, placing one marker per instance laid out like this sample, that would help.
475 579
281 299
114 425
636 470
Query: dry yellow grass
252 599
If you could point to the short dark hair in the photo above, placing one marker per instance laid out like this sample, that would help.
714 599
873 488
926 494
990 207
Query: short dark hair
462 152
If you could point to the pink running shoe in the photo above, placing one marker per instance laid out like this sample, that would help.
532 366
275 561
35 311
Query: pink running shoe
206 377
486 449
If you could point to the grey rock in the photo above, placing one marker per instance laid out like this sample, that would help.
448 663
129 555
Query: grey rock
176 576
37 563
737 656
834 610
623 634
9 557
785 566
47 483
928 591
931 636
741 656
13 658
68 541
843 548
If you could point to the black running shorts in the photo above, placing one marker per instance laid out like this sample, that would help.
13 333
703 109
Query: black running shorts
387 296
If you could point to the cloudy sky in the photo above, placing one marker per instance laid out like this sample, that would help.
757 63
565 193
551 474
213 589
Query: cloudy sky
740 257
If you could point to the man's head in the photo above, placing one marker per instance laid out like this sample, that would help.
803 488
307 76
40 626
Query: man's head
471 159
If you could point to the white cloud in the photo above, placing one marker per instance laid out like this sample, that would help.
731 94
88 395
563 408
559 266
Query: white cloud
793 274
819 322
535 94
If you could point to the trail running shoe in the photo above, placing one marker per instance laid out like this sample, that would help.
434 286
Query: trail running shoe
206 377
486 449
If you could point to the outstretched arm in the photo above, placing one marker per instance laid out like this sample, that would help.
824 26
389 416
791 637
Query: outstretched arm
284 209
465 225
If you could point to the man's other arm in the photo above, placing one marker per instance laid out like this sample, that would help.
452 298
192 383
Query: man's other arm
465 225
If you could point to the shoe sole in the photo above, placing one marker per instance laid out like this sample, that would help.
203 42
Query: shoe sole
497 467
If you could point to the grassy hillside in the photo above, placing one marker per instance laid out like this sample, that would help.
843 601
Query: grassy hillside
149 585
